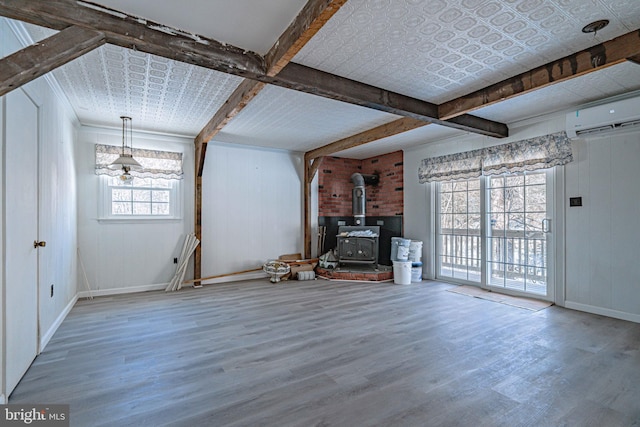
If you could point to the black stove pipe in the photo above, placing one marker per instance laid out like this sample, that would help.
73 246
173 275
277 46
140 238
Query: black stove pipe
358 200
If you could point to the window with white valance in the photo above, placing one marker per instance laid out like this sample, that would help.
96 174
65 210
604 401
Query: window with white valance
154 193
155 164
527 155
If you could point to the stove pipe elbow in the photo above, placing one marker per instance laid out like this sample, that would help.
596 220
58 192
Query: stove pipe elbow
357 179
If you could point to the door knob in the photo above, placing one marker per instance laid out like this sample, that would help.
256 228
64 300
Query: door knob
42 244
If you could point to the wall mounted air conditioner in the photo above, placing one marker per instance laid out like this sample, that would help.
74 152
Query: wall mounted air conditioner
601 119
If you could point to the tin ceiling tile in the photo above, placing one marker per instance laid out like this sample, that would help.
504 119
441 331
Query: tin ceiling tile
435 50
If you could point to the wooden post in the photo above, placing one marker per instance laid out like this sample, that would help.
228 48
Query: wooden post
307 209
311 166
197 255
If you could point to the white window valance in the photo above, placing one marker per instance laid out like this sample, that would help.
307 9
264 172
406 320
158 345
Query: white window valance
527 155
155 164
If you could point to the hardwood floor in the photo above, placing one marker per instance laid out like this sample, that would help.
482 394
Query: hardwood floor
320 353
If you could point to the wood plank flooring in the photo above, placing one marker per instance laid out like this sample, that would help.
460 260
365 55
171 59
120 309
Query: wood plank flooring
319 353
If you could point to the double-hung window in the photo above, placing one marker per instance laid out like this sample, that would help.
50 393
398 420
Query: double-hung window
142 198
153 192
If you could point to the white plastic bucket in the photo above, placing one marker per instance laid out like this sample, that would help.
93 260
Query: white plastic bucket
415 251
396 243
416 272
403 253
401 273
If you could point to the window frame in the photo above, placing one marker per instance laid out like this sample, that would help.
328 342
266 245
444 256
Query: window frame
105 202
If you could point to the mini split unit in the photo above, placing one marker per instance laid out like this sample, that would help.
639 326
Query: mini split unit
616 116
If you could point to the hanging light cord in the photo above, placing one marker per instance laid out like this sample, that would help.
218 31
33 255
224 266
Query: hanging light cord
126 129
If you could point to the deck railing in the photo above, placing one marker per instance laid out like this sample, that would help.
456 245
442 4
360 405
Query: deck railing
513 254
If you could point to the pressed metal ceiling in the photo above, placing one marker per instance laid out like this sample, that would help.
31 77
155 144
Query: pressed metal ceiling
435 50
438 50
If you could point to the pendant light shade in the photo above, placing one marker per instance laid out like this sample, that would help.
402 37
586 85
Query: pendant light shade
126 162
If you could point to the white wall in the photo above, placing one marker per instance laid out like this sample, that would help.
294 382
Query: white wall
601 240
128 256
603 236
251 207
57 196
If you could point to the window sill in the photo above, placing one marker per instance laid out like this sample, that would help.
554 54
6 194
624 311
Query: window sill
139 219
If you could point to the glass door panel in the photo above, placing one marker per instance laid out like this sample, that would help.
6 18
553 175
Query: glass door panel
459 241
514 225
517 238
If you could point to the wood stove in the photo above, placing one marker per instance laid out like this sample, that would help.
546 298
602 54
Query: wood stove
358 245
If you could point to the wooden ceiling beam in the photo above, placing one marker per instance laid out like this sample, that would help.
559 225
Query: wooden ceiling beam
309 21
137 33
635 59
313 16
314 164
38 59
388 129
244 93
317 82
612 52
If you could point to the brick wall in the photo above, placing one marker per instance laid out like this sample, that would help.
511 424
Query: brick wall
334 185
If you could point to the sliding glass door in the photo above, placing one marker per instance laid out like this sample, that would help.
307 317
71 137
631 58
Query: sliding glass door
495 232
518 227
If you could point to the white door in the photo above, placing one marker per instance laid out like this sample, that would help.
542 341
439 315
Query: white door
21 198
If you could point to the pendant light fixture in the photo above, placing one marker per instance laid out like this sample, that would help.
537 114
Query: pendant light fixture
126 162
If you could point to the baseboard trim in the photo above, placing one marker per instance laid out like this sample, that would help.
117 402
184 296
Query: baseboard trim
623 315
44 339
163 286
238 278
119 291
